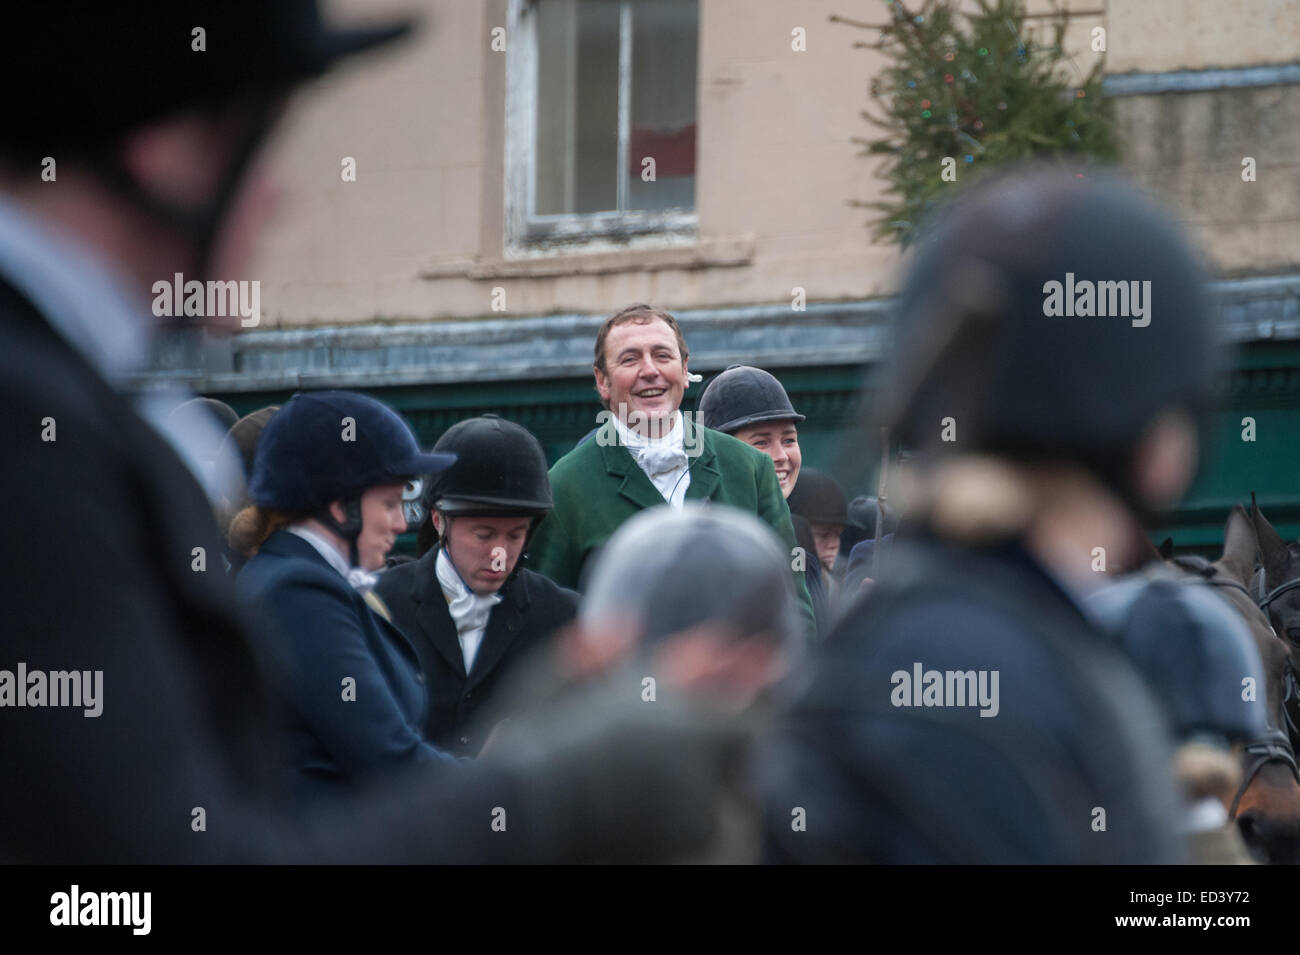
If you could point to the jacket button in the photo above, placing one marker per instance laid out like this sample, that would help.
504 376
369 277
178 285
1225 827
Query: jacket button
469 695
419 678
464 740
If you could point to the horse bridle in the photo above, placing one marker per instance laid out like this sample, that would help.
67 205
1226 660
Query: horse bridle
1263 600
1275 743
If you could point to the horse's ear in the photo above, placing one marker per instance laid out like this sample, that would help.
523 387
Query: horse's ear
1271 546
1166 548
1240 546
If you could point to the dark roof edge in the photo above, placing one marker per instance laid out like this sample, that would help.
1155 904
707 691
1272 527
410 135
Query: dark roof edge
559 346
1201 81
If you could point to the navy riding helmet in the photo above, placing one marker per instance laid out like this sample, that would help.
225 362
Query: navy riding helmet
328 446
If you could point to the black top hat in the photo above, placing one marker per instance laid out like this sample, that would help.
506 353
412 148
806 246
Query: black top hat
90 70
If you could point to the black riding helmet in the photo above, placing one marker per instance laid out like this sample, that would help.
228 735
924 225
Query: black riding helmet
819 498
862 522
980 337
862 513
743 395
500 471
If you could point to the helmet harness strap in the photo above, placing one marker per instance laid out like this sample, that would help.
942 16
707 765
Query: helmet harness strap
199 223
349 528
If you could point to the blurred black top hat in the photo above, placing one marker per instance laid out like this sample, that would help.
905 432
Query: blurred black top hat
90 71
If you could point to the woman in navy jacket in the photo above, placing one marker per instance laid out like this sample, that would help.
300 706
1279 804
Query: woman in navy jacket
327 507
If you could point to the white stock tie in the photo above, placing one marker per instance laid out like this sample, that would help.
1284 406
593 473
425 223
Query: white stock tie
468 610
362 580
660 458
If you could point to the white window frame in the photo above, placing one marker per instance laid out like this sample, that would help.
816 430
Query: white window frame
524 229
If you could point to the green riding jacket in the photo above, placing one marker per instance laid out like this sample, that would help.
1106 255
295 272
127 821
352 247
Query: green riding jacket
597 486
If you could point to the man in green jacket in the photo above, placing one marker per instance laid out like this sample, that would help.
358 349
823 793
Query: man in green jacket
646 453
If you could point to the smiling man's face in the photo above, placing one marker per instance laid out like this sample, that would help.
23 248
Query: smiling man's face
645 373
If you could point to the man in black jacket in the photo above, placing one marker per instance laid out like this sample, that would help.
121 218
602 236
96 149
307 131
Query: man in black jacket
468 607
112 584
970 709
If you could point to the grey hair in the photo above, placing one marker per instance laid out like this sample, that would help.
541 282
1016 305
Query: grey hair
671 570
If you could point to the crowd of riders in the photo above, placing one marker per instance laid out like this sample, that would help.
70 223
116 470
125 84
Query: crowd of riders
668 641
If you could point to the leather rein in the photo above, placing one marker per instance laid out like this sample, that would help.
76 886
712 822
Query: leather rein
1275 744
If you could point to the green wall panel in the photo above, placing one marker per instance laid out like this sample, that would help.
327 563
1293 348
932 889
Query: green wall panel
1264 384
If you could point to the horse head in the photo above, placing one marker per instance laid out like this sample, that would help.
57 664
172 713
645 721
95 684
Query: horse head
1268 805
1276 580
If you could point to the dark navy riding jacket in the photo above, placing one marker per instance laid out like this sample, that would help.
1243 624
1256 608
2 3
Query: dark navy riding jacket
320 634
464 707
1068 763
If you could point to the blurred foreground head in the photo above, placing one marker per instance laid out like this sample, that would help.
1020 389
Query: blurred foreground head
706 588
1055 317
155 127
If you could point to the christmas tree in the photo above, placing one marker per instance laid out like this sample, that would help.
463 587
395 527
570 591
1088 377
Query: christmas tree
964 92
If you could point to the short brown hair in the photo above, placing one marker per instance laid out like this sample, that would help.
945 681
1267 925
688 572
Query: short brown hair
641 314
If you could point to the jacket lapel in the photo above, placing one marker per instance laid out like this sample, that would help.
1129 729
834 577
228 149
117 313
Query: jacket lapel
432 616
381 610
633 483
502 629
287 544
704 466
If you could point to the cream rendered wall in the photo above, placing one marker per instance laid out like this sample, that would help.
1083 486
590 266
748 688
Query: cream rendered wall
1189 147
1163 35
775 175
418 236
413 120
